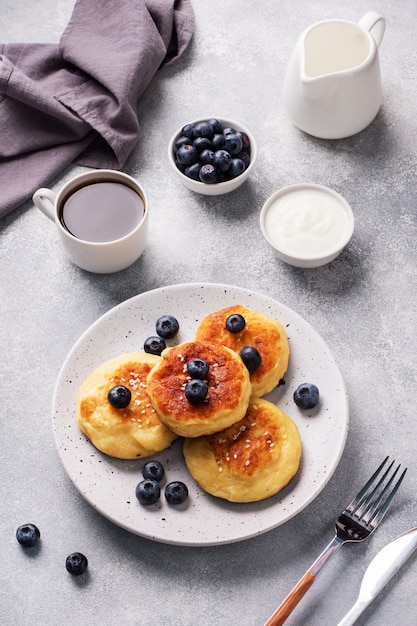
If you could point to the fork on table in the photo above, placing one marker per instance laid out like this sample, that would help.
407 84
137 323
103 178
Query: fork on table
360 518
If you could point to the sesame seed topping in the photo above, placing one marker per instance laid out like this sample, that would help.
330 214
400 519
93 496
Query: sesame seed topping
247 463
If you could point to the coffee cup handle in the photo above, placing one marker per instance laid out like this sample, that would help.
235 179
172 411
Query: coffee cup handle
375 24
44 200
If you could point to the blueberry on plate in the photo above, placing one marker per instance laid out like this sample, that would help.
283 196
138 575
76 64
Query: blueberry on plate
251 357
196 390
167 326
208 174
148 491
154 470
176 492
235 323
306 396
154 345
28 535
76 563
119 396
198 368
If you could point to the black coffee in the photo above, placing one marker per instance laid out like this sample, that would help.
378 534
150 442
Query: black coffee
102 212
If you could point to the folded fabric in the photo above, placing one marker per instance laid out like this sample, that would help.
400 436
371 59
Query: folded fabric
76 101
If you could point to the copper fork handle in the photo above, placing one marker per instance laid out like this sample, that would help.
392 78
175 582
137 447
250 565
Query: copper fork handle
288 605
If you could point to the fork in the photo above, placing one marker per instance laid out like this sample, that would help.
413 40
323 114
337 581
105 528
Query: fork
359 520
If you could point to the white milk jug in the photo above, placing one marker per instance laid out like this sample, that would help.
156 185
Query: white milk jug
332 88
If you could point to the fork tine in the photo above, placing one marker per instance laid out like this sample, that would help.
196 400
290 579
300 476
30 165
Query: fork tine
360 497
371 500
378 514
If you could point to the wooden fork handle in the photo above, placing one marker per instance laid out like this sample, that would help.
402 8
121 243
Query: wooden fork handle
288 605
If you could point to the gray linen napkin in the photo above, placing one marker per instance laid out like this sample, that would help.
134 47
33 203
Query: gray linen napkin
76 101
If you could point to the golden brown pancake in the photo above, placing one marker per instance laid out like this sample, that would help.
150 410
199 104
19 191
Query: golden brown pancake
249 461
229 389
133 432
266 334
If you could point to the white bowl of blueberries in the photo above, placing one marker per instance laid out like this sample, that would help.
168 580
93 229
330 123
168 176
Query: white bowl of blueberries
212 156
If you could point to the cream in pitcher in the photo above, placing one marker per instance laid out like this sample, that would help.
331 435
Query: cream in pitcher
332 88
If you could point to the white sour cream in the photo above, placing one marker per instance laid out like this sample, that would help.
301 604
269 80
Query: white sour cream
307 221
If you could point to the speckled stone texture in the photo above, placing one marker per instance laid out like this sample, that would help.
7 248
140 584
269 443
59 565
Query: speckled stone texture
363 305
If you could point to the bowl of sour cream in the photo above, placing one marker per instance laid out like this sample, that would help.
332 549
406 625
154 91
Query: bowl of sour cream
308 225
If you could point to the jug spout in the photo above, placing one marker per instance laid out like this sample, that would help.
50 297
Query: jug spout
320 87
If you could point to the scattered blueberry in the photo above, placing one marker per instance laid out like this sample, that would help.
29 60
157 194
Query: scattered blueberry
148 491
154 470
251 357
119 397
225 151
208 174
154 345
28 535
235 323
196 390
167 326
306 396
76 563
198 368
176 492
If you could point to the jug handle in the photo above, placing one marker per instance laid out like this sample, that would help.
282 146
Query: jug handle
375 24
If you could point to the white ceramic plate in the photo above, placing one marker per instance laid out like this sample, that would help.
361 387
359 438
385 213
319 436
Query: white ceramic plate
109 484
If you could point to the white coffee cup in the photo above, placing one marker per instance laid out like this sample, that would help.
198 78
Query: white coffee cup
108 199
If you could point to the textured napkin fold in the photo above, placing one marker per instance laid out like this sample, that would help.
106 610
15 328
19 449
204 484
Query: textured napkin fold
76 101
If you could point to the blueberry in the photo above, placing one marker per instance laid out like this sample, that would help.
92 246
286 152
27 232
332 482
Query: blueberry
187 155
196 390
28 535
233 144
153 469
235 323
187 130
218 141
244 156
76 563
306 396
237 166
202 143
119 397
154 345
176 492
198 368
193 171
245 139
216 124
148 491
251 357
222 160
203 129
208 174
206 157
229 131
167 326
181 141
